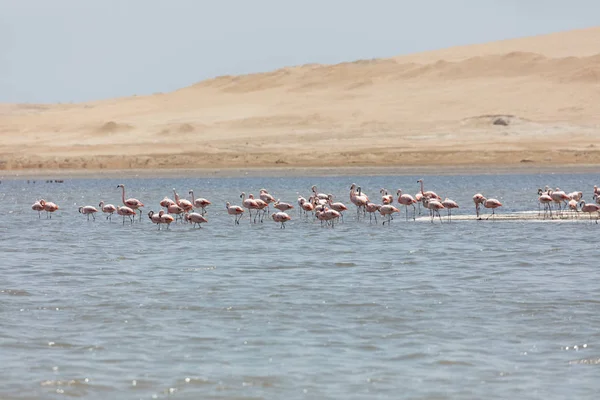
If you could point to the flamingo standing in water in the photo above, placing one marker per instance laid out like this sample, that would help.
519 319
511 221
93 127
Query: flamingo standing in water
406 200
200 203
434 207
478 200
131 203
195 219
590 208
321 196
107 209
306 205
250 204
183 203
165 218
449 204
281 217
337 206
235 210
372 208
175 209
573 206
388 210
154 217
359 199
282 206
49 207
37 206
88 210
261 206
493 204
267 198
385 197
126 212
166 202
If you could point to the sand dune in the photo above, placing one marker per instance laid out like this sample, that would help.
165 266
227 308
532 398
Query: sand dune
526 101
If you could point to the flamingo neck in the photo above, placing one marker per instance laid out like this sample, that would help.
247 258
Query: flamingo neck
422 188
123 194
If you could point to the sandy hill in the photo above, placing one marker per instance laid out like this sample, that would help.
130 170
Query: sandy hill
529 100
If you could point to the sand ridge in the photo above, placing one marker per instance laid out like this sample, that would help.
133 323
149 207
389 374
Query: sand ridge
533 100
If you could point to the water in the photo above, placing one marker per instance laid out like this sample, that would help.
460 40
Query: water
471 309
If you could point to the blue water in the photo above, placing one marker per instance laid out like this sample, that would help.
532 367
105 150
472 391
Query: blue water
469 309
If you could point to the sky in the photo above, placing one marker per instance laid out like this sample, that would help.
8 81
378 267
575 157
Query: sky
82 50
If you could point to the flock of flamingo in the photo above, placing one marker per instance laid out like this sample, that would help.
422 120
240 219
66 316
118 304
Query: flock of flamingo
322 206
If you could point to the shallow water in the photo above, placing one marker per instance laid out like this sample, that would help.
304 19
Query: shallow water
471 309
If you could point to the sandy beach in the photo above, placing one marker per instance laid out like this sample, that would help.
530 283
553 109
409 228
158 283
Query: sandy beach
524 103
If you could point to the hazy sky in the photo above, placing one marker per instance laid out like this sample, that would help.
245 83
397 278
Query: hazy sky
77 50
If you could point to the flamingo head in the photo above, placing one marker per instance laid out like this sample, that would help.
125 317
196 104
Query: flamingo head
80 208
120 186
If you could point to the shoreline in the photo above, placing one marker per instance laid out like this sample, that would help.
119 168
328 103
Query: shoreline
273 172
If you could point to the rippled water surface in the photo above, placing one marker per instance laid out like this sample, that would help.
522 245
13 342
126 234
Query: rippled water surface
470 309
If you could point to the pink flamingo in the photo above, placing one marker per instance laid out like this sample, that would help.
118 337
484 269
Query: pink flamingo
385 197
434 207
282 206
37 206
372 208
177 210
165 218
329 215
155 218
183 203
317 195
126 212
132 203
573 206
478 200
235 210
419 200
281 217
166 202
49 207
449 204
88 210
306 206
195 218
266 197
590 208
107 209
406 200
200 203
337 206
250 204
428 194
577 196
358 199
493 204
559 197
546 200
388 210
261 206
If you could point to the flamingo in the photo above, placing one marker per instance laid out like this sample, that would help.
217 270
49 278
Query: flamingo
385 197
358 199
261 206
183 203
200 203
321 196
266 197
195 219
126 212
372 208
419 200
546 200
37 206
558 197
577 196
493 204
573 207
478 200
434 207
329 215
155 218
132 203
165 218
282 206
175 209
49 207
107 209
281 217
590 208
406 200
166 202
306 206
235 210
250 204
449 204
87 210
337 206
388 210
429 194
